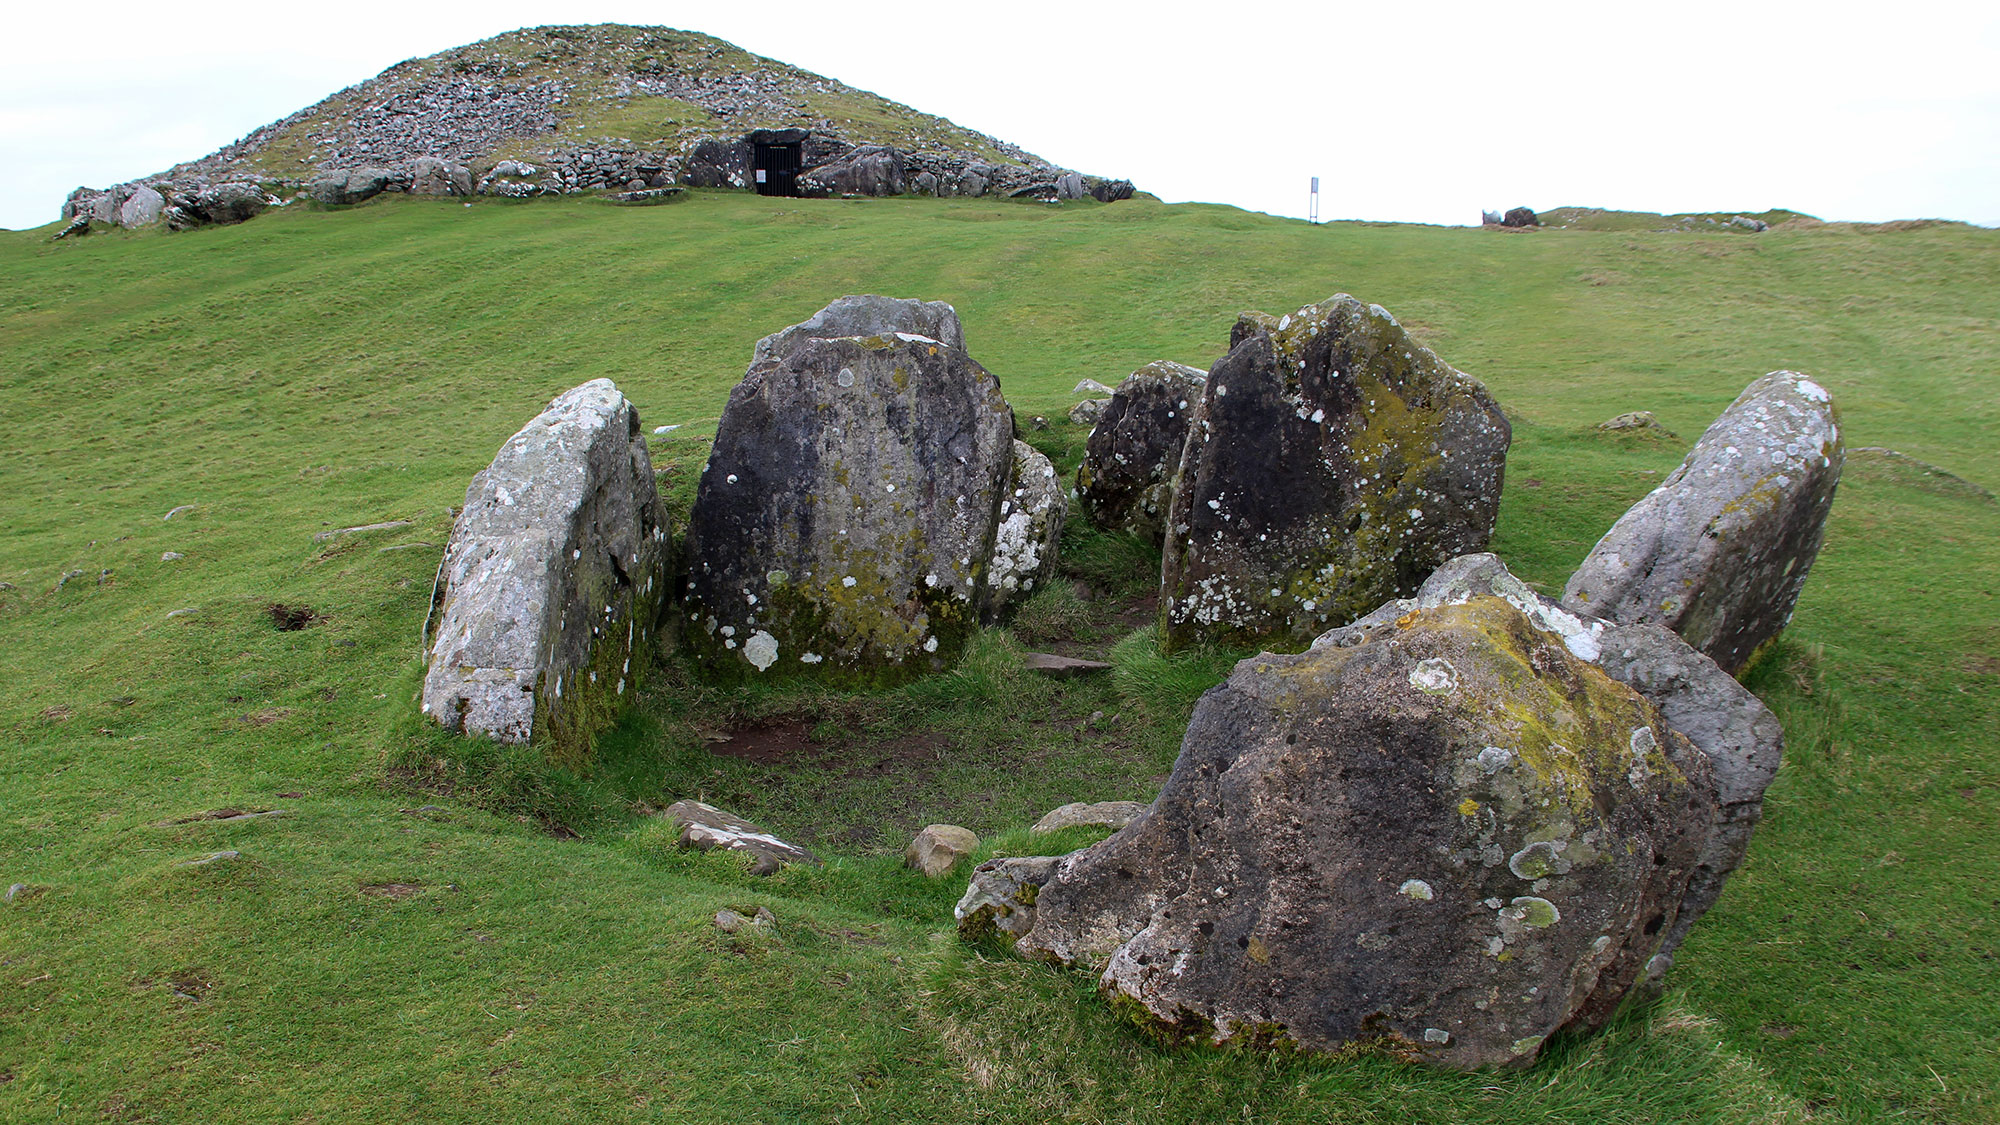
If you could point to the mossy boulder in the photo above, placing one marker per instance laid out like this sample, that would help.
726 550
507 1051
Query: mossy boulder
1453 833
1719 552
845 523
1126 480
553 582
1333 464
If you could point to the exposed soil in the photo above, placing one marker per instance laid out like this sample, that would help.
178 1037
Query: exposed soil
391 890
292 618
769 742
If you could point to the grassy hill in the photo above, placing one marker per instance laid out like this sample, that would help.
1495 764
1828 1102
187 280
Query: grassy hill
440 931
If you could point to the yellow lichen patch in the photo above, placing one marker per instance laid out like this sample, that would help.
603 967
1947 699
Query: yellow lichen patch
1468 807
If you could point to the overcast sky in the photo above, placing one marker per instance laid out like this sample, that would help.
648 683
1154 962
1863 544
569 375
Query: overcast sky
1409 111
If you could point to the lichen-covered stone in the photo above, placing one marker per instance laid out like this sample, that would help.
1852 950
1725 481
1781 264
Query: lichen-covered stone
1126 480
1719 552
1107 814
1742 740
1026 543
1453 834
999 901
865 314
553 580
1334 463
846 518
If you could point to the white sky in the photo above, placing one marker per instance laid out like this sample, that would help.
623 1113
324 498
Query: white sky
1410 111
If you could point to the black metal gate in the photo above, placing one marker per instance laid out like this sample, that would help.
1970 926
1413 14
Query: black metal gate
775 168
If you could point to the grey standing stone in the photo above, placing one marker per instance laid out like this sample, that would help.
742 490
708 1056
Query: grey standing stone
1453 833
1029 537
846 518
1334 463
1719 552
1126 480
553 580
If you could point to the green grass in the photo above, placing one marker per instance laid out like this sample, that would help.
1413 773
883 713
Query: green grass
447 931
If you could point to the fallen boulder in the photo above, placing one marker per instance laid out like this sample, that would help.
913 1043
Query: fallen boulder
1453 835
1520 217
1742 740
1333 463
1126 480
1720 550
845 523
344 186
705 827
552 584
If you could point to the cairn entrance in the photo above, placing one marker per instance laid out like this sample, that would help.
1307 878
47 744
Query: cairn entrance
776 156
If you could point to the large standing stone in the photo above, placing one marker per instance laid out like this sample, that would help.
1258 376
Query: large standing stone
553 579
846 519
1126 480
867 170
1452 833
1030 533
1719 552
1335 462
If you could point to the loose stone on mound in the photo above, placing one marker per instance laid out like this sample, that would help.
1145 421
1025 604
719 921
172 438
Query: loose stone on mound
553 580
938 848
1454 834
705 827
846 520
1335 462
1030 532
1719 552
1126 481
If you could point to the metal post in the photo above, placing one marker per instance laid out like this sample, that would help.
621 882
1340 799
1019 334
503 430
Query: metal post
1312 213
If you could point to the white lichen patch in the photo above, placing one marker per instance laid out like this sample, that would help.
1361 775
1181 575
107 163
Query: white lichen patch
1532 912
1493 759
761 650
1434 676
1416 889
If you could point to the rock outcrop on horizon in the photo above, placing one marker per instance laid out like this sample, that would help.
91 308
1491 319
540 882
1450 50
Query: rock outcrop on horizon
1721 549
1333 463
552 584
604 107
846 522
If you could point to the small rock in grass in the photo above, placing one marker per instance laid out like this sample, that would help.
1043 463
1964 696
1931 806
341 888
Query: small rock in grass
171 556
938 848
1087 412
15 891
188 612
212 857
178 511
1634 420
705 827
1090 387
1109 814
1062 667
